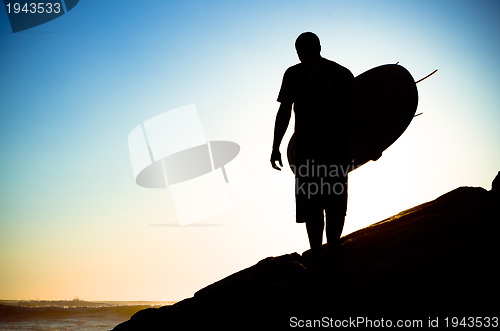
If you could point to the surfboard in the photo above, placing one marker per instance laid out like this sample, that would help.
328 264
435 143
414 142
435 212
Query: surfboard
382 103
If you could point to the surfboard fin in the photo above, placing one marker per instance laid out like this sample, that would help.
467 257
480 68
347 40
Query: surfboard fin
432 73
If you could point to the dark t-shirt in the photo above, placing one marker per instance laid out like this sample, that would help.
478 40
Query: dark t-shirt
318 91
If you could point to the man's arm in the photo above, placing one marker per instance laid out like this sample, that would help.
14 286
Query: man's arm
282 120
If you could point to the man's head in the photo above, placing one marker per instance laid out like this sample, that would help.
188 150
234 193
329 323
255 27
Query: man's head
308 46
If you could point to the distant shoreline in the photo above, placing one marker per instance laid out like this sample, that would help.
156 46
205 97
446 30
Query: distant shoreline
83 303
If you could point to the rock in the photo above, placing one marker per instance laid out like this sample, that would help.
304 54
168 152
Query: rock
272 270
436 259
495 185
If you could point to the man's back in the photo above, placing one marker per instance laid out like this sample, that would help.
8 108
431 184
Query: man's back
318 91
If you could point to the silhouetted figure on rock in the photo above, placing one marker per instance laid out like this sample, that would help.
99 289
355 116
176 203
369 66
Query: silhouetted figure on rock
317 89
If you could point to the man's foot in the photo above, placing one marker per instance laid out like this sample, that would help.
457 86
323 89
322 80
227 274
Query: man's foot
332 256
315 260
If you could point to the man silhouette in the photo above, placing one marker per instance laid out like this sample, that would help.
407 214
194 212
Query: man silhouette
317 89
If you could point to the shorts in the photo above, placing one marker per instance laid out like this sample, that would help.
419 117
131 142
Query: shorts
320 188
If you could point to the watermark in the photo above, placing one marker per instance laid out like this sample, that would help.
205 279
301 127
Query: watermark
313 169
26 14
319 187
355 322
204 177
314 178
366 322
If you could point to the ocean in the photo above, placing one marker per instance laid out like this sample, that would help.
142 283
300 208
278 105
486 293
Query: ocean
69 315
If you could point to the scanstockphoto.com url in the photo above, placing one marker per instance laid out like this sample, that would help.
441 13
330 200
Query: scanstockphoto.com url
353 322
365 322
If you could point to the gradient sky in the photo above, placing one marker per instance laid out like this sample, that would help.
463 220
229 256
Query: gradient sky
73 221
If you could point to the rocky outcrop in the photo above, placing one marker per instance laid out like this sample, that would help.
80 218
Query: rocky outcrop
436 259
495 186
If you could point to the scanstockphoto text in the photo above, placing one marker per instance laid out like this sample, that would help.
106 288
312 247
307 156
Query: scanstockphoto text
366 322
321 179
354 322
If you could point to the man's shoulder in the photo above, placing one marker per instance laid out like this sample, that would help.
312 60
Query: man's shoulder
301 69
294 72
295 68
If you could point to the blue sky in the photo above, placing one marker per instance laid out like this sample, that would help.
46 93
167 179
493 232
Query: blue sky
72 89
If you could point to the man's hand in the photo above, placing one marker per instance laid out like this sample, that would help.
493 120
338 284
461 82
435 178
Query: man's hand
276 157
282 120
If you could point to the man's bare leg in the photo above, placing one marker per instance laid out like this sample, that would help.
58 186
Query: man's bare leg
315 233
334 227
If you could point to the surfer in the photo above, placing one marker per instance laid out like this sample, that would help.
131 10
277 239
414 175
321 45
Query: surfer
316 88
